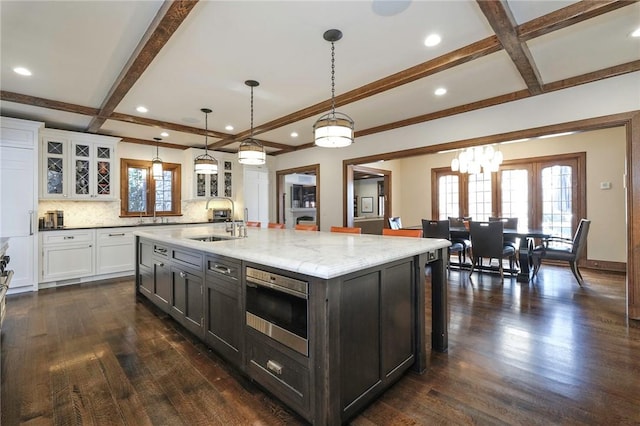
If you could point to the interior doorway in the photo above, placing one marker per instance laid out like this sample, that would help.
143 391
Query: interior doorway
298 196
368 198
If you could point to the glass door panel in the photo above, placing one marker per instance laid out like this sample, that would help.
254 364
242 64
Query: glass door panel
514 195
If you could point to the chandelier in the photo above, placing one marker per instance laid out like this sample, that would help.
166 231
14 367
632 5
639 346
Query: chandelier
251 151
156 162
206 164
334 129
477 159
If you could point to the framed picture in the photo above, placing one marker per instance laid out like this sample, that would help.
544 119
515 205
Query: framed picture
367 204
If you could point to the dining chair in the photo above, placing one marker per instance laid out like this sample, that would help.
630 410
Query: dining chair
346 230
273 225
252 224
301 227
488 241
509 223
569 250
440 229
459 222
395 222
402 232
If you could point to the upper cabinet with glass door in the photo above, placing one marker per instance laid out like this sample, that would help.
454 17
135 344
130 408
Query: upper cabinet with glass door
199 186
78 166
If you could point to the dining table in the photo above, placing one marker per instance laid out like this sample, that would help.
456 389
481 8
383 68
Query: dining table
527 243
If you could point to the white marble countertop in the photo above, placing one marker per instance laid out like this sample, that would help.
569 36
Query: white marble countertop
319 254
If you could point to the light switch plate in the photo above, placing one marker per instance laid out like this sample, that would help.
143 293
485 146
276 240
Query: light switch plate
605 185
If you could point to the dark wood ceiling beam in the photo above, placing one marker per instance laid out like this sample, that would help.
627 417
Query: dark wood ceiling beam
166 125
567 16
504 25
47 103
154 143
166 22
591 77
452 59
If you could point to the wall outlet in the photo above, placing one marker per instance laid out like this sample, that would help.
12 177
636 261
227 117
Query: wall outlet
605 185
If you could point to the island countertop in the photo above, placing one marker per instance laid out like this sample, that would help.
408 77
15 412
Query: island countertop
320 254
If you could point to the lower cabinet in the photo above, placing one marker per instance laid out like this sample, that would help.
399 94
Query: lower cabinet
224 307
161 277
115 249
187 302
67 254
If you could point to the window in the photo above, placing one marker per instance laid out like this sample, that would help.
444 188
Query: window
141 195
545 192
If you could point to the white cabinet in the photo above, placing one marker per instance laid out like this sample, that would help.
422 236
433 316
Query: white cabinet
199 186
256 194
78 166
19 195
67 254
115 250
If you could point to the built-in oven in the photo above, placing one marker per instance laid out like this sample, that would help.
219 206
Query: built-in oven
276 306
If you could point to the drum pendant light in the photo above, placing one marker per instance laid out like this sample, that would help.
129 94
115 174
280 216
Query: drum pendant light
156 163
334 129
251 151
206 164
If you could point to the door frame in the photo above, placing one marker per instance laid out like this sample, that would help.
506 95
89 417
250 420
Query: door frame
349 192
280 187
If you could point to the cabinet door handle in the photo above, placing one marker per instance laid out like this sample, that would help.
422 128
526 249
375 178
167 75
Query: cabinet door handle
30 222
160 264
70 237
121 234
183 274
160 250
274 366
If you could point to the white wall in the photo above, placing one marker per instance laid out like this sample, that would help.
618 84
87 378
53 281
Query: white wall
610 96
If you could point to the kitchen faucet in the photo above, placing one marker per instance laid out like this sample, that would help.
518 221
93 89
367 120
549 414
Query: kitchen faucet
233 210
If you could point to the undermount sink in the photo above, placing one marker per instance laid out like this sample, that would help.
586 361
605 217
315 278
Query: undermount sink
211 238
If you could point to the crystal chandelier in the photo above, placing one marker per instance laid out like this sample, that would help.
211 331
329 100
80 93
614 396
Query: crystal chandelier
156 162
477 159
334 129
251 151
206 164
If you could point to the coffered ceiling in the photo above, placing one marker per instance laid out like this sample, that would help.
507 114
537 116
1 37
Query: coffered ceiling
94 62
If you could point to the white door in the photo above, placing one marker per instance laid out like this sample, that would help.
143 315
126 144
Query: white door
256 195
17 213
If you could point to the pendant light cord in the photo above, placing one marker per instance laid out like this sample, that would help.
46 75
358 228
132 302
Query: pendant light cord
206 132
333 79
251 112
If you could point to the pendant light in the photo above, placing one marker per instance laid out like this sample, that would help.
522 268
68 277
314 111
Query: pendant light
251 151
334 129
156 163
206 164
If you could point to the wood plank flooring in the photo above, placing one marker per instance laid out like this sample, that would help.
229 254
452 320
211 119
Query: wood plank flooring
547 352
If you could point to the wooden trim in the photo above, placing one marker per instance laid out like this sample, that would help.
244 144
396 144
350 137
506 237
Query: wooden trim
348 172
176 193
633 216
164 25
154 143
605 265
280 174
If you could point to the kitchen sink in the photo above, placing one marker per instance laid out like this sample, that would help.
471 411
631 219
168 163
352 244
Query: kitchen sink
211 238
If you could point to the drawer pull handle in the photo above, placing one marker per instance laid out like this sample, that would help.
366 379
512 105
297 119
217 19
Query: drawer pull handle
71 237
117 235
160 250
160 264
183 275
222 269
274 367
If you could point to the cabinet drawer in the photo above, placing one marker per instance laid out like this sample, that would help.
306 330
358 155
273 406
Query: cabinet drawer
219 266
114 236
192 259
160 250
279 373
67 237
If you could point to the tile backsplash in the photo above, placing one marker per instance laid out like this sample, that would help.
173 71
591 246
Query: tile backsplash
107 213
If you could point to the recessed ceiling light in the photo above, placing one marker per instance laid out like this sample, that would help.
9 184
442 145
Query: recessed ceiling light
294 134
228 127
432 40
164 134
22 71
142 109
636 33
440 91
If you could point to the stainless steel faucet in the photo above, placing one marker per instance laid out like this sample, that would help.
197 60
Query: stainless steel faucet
233 211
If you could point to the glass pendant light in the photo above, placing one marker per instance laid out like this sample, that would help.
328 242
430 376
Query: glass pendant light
156 163
206 164
251 151
334 129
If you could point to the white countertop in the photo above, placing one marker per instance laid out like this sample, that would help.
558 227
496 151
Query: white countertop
319 254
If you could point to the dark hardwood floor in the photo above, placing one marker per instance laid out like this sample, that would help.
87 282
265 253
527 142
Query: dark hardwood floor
547 352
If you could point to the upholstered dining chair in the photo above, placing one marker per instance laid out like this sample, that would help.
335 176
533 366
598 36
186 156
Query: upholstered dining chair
395 222
440 229
253 224
301 227
346 230
417 233
273 225
459 222
568 250
488 241
509 223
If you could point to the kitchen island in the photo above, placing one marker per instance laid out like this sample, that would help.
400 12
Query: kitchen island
324 321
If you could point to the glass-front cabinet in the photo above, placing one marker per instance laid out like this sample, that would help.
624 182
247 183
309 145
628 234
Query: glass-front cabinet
78 166
205 186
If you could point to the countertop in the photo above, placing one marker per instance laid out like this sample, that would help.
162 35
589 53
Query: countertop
319 254
131 225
